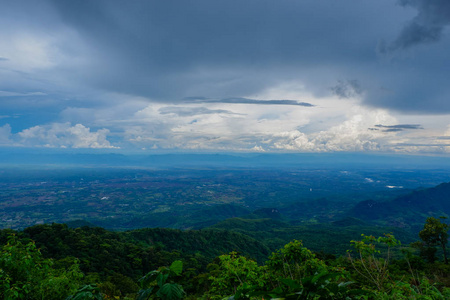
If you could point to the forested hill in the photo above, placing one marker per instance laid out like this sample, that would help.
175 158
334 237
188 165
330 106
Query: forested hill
94 263
332 238
136 252
408 211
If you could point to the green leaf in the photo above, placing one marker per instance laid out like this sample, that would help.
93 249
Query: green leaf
87 292
144 294
292 284
171 291
237 295
176 267
161 279
148 278
344 284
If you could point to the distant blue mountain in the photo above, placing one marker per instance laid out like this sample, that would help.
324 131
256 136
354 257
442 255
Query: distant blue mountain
75 157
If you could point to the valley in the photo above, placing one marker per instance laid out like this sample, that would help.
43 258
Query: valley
189 198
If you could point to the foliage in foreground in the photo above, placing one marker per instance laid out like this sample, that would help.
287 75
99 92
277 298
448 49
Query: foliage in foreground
25 274
160 283
376 268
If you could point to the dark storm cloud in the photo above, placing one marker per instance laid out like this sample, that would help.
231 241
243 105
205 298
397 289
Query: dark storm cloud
400 126
392 130
396 128
415 81
167 50
192 111
347 89
249 101
264 102
426 27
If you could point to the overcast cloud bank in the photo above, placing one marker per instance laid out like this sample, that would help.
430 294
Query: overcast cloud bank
348 75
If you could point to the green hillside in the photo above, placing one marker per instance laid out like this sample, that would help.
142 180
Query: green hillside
408 211
331 238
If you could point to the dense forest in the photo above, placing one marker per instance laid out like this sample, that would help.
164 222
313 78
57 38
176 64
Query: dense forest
55 261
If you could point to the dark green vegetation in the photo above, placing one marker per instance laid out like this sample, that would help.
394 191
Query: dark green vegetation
136 252
329 238
93 263
116 260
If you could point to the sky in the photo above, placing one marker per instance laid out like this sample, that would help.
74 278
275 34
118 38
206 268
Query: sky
226 75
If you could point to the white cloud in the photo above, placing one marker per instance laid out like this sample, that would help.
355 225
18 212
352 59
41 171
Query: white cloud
293 140
225 126
332 125
258 149
64 135
346 128
351 135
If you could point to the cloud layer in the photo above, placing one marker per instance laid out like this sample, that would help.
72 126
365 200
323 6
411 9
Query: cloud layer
228 75
248 101
64 135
